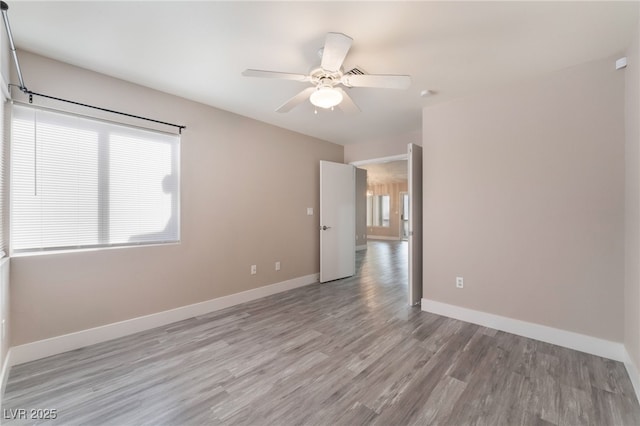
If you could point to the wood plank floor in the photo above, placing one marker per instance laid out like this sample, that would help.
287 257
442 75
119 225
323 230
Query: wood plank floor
348 352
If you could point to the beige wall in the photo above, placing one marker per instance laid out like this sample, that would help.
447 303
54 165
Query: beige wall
245 189
361 207
393 190
524 198
632 202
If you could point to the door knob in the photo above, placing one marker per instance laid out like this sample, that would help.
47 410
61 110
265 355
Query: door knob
324 228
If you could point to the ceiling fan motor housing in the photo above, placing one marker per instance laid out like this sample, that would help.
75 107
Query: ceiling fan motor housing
323 77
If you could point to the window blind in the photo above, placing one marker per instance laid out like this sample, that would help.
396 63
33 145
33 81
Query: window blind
80 183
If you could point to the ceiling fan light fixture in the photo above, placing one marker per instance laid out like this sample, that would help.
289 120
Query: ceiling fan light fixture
328 79
326 97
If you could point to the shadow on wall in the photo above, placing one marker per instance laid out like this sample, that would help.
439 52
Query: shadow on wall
170 187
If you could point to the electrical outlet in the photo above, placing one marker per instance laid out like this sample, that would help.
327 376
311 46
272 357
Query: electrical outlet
254 269
277 265
309 211
459 282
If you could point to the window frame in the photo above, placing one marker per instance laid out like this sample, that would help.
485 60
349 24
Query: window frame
103 172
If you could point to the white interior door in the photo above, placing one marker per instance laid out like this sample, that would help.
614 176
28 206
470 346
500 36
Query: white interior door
337 221
415 224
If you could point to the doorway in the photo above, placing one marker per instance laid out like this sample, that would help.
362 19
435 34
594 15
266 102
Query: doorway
404 221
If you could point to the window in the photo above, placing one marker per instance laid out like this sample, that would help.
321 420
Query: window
378 210
79 183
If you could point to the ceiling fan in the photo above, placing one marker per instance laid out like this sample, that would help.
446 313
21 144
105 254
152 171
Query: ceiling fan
326 79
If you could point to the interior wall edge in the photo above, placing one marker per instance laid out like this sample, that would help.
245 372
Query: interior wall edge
568 339
67 342
632 209
633 373
4 375
5 266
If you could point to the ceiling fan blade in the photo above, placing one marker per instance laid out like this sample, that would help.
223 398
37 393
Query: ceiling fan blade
380 81
347 104
296 100
275 74
336 46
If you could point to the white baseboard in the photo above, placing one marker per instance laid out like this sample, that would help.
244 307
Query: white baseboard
4 375
362 247
568 339
382 237
632 371
67 342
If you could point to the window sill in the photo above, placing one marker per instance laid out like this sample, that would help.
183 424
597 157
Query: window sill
91 249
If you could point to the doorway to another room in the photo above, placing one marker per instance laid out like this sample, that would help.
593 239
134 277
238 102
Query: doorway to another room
393 201
387 183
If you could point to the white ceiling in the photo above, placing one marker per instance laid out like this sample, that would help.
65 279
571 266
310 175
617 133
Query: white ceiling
197 50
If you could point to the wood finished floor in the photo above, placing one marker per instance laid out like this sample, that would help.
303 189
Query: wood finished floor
348 352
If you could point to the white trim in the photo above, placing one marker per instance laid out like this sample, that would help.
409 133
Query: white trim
632 371
556 336
67 342
382 237
4 374
398 157
5 89
362 247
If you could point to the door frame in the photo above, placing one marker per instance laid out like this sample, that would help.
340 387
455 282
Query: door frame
414 171
401 196
386 160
